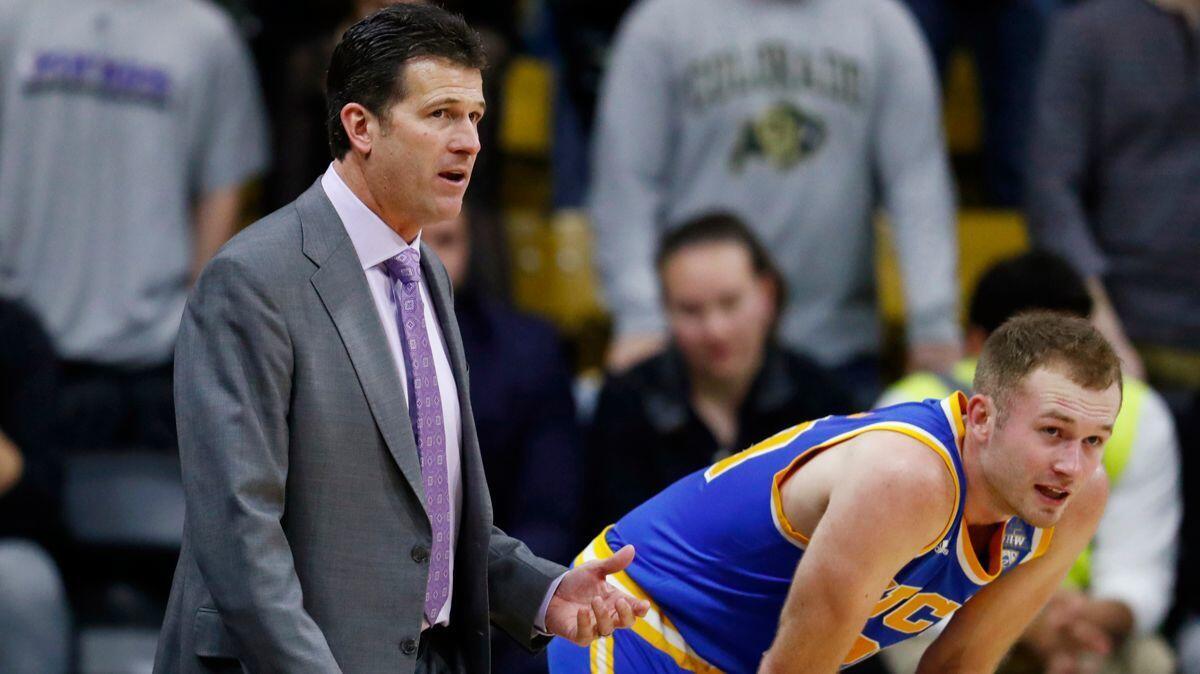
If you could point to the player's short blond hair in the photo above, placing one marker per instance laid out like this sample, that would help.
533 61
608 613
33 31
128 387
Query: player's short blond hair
1042 338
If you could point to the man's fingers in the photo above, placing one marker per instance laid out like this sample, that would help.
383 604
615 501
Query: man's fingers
584 627
641 607
603 615
1061 664
1091 638
617 562
625 616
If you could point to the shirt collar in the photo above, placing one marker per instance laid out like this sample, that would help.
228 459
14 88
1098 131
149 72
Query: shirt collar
373 240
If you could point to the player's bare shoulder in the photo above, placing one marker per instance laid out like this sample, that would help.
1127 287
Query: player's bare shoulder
885 475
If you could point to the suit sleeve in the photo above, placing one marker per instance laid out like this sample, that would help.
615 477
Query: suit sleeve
518 581
232 386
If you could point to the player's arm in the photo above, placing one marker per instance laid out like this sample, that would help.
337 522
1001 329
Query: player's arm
889 497
983 630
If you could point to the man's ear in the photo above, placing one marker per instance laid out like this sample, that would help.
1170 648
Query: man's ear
981 417
360 127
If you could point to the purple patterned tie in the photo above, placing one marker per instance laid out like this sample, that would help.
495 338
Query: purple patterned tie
425 408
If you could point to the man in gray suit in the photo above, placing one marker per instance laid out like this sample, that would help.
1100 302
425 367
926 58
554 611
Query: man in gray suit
337 513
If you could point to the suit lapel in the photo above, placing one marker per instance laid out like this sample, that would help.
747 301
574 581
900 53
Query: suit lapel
342 287
443 304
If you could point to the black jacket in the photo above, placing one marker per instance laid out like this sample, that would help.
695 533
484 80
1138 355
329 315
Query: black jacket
646 435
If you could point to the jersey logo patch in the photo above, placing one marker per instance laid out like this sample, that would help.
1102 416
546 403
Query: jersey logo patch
1015 543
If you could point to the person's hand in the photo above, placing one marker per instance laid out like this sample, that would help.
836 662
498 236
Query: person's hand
12 465
1074 663
627 351
1104 317
933 356
1065 639
585 607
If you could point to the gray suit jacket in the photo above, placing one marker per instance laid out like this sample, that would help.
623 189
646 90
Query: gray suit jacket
306 540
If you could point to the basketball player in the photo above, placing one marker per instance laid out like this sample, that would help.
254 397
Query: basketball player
838 537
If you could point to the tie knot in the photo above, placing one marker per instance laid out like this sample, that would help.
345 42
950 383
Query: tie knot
405 267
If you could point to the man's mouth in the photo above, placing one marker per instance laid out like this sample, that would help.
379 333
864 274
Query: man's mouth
1052 493
454 176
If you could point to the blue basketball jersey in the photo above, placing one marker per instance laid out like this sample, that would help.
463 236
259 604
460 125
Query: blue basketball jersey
716 554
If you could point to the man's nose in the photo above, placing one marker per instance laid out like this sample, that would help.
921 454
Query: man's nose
1070 461
465 139
716 325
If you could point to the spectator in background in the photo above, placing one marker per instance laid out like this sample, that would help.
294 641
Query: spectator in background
1006 38
1114 187
800 118
126 132
525 417
722 384
1115 173
35 625
1118 592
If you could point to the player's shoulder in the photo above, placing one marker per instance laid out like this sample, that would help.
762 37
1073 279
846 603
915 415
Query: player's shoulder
899 484
887 458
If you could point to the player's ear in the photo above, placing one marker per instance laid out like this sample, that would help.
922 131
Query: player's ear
981 416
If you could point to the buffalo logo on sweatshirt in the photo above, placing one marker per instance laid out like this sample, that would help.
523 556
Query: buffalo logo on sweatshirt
783 135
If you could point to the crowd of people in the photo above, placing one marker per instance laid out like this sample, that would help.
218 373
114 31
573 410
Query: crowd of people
734 160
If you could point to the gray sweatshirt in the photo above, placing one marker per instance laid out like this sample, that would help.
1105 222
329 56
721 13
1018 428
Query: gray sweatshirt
800 116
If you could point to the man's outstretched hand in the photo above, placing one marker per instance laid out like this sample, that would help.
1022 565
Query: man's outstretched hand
585 607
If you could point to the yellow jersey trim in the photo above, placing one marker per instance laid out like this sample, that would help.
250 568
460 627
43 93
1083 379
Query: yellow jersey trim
969 561
954 407
655 627
777 441
601 655
1040 543
799 539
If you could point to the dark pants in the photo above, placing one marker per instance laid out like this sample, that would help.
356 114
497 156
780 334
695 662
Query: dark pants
107 407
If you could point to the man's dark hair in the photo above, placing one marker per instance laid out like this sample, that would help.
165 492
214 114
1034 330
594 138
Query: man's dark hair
367 66
721 227
1030 281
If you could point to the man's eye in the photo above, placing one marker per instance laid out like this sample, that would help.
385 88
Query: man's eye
441 112
1051 431
1095 441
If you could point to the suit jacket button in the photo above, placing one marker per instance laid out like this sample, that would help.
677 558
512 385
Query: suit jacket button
420 554
408 646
